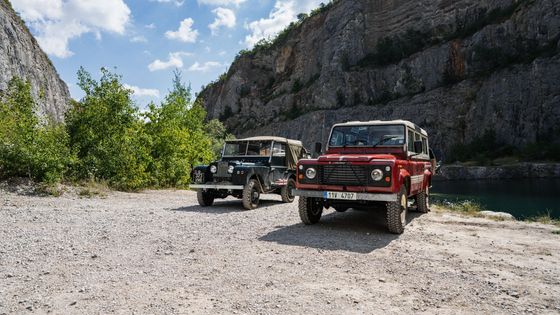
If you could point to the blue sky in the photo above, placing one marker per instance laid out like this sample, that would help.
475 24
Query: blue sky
146 40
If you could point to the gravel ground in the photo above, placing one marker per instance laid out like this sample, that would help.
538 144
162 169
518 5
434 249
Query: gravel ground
159 252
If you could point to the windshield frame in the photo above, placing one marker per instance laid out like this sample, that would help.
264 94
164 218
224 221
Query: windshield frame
369 146
246 149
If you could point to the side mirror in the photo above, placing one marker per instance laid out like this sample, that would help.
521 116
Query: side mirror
318 148
418 146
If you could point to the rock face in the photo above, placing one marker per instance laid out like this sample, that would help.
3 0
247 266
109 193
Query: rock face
456 68
21 56
522 170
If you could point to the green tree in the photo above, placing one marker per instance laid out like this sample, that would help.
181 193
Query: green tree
29 146
218 134
106 131
179 137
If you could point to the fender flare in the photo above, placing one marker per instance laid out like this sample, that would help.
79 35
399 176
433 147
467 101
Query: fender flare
404 179
253 175
427 179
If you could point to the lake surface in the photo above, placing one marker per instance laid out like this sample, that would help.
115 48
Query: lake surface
522 198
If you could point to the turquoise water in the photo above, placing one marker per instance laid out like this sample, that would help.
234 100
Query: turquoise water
522 198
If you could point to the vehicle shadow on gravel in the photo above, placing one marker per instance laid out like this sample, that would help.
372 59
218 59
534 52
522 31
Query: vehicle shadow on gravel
355 231
226 206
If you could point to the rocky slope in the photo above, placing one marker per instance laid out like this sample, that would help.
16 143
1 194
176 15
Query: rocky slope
521 170
456 68
21 56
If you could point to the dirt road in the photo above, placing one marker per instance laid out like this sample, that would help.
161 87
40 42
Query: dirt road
159 252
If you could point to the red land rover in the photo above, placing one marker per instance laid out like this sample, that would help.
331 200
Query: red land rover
368 164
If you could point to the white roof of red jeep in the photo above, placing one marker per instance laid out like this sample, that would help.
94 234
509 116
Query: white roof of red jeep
384 122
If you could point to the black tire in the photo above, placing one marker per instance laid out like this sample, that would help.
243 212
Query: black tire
310 210
251 195
205 198
286 192
341 209
397 212
423 201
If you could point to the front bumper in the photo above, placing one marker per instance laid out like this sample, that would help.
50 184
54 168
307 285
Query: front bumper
217 186
359 196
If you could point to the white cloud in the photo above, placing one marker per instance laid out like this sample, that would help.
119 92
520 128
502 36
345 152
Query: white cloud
142 92
34 10
185 33
176 2
139 39
207 66
175 60
150 26
224 17
284 12
221 2
57 22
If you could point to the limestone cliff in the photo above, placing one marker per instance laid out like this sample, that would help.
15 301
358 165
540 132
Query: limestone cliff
456 68
21 56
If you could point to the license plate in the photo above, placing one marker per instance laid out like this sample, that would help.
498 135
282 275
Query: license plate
339 195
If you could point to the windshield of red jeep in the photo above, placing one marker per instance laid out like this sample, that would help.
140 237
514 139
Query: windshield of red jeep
367 136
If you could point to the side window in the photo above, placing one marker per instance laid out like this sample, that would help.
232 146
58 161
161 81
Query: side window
279 149
411 141
424 145
278 154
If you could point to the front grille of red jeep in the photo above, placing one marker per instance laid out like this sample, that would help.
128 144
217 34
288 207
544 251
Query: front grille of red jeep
344 174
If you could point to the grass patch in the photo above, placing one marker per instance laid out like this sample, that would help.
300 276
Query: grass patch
473 209
467 207
50 189
545 218
92 189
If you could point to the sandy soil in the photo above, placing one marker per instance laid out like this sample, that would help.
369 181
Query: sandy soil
159 252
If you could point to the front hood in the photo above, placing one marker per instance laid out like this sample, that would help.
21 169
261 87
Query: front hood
362 158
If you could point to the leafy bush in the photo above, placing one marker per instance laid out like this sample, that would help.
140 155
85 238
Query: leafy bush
106 131
228 112
177 136
486 150
482 149
105 138
30 147
393 49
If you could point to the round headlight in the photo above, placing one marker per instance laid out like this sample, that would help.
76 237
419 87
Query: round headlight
387 168
376 174
301 167
213 169
230 169
311 173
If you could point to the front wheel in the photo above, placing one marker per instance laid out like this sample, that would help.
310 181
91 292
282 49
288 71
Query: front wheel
310 210
205 198
251 195
286 193
396 213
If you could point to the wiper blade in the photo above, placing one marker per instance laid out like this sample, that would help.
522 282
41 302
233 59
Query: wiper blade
384 140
